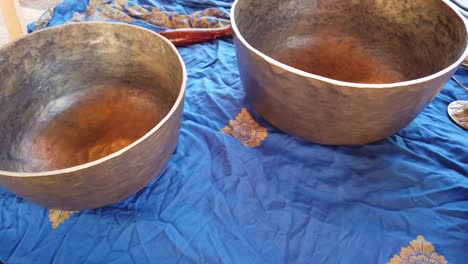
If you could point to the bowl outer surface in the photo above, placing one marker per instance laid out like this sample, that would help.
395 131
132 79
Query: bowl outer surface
328 111
116 176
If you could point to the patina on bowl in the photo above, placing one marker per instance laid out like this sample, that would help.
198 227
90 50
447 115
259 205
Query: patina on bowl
345 72
90 113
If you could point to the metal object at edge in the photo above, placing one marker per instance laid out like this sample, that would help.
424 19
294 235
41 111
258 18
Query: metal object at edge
323 109
458 112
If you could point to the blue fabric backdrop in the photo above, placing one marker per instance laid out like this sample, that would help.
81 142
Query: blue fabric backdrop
404 198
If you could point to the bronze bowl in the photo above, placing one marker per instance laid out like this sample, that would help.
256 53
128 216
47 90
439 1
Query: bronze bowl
90 113
345 72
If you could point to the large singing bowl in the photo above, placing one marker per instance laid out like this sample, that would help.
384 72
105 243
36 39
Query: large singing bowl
345 72
90 113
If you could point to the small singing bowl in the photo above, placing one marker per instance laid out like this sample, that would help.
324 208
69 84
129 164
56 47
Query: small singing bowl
345 72
90 113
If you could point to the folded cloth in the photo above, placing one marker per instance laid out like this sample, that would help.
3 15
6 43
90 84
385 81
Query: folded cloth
462 6
152 17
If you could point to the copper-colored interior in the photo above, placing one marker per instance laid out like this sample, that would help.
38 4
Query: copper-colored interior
340 58
91 125
81 92
368 41
68 101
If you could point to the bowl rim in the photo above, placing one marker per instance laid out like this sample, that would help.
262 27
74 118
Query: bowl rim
309 75
177 103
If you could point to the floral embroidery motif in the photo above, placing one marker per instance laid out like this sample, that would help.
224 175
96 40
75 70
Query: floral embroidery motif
57 217
419 251
246 129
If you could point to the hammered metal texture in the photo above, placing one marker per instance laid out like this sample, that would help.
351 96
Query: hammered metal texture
72 95
356 71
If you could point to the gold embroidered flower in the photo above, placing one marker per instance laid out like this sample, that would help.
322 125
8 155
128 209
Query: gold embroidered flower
246 129
57 217
419 251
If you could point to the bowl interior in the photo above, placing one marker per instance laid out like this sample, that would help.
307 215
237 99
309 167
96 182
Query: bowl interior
367 41
73 94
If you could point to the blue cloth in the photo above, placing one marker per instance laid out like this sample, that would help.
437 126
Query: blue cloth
285 201
141 13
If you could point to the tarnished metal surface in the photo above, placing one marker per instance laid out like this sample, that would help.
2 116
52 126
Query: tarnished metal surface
345 72
90 113
458 111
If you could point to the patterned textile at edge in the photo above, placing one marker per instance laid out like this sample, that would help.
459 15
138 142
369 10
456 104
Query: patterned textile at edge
124 11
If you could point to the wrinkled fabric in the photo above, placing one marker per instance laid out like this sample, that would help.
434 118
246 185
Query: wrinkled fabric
156 18
284 201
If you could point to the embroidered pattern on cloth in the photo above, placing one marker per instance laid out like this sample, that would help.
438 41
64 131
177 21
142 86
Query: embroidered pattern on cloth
57 217
246 129
419 251
124 11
